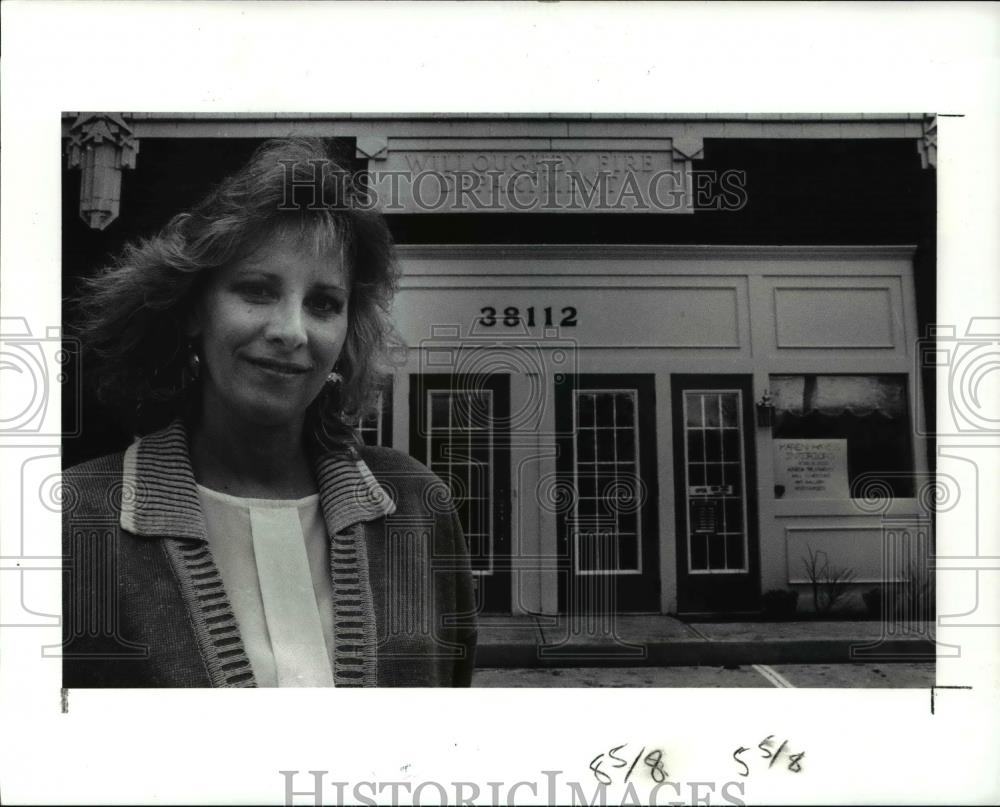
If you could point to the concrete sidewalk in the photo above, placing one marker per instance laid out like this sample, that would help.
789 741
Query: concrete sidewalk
664 641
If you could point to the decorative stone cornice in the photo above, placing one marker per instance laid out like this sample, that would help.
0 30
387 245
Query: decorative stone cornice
101 145
927 144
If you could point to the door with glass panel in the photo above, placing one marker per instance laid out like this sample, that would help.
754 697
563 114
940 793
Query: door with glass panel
607 519
459 428
717 549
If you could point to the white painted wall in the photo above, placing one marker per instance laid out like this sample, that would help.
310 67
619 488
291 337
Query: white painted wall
664 310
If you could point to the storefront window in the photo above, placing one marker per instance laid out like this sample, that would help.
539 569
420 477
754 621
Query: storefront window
818 419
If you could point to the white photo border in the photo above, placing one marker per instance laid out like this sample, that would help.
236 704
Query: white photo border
227 747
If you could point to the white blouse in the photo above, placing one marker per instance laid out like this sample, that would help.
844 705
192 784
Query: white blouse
274 558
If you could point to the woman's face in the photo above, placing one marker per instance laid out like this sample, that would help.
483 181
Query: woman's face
272 327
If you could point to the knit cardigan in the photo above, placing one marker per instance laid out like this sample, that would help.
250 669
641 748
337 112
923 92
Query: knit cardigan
144 604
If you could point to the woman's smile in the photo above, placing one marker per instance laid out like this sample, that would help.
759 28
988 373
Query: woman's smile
276 367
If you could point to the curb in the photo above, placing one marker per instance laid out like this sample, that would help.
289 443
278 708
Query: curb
705 653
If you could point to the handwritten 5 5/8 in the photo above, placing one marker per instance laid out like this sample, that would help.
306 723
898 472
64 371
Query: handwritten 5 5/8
653 760
765 745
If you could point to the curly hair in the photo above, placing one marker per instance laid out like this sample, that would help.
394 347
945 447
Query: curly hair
133 312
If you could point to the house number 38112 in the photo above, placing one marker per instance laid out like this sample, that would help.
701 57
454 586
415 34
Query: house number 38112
511 317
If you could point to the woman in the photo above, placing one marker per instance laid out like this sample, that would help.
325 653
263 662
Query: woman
254 541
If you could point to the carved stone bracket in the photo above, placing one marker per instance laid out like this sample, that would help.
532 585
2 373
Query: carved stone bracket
688 147
371 147
101 145
927 144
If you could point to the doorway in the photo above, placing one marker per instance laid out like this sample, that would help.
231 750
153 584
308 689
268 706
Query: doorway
718 567
460 429
606 464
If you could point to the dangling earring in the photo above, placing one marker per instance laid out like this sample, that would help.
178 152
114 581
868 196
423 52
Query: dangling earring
334 378
194 362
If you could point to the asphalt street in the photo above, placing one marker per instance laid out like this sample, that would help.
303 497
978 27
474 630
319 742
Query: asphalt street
896 675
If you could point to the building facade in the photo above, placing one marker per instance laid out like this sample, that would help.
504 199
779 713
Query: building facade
667 364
